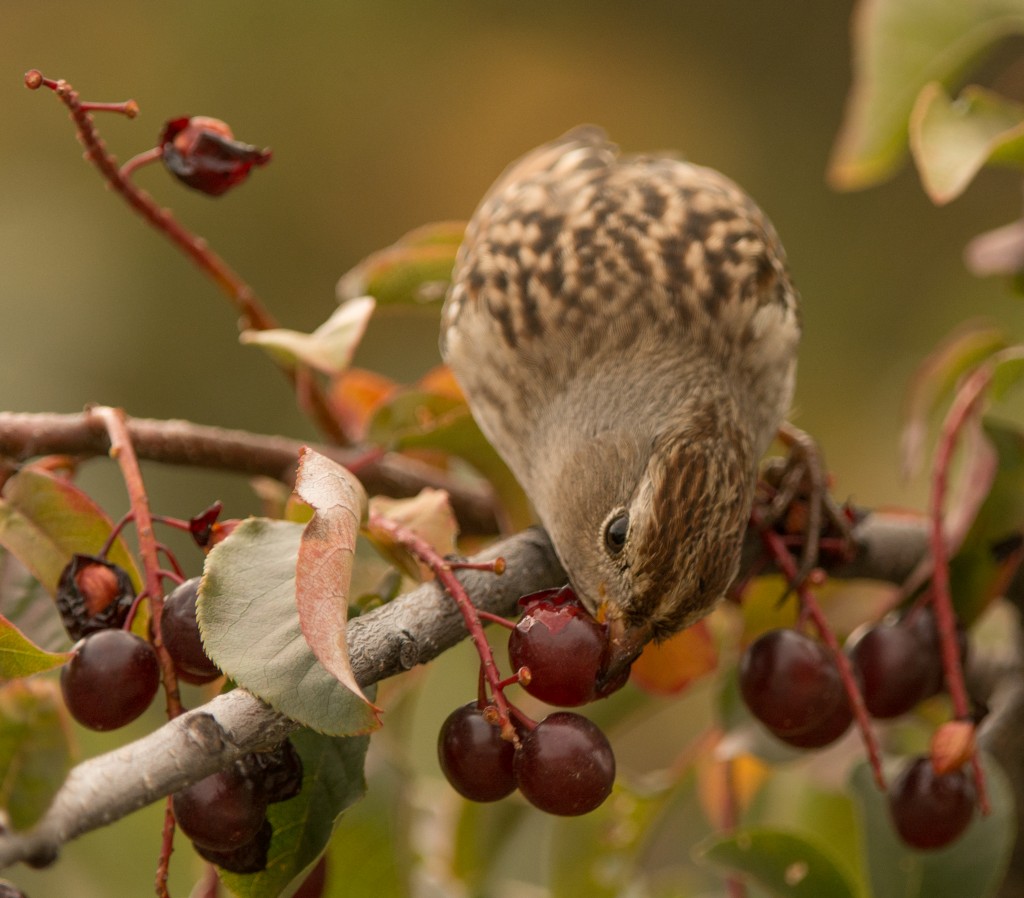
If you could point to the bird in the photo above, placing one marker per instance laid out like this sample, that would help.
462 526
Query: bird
625 331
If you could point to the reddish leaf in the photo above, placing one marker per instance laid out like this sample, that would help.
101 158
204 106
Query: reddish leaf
669 667
356 394
324 568
45 519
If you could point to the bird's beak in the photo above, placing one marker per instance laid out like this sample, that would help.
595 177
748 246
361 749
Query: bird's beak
626 643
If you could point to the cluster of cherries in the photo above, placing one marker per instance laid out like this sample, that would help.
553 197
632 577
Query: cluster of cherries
112 678
113 675
563 764
791 684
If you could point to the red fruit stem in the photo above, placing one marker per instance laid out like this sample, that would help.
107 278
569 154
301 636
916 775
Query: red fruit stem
423 551
809 608
126 519
166 848
496 618
127 108
254 315
141 160
965 403
113 419
494 567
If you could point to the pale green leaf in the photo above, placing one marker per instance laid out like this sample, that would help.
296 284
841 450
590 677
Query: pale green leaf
329 348
899 46
35 751
250 625
20 657
952 140
415 270
787 865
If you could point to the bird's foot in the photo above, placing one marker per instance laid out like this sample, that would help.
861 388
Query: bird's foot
793 498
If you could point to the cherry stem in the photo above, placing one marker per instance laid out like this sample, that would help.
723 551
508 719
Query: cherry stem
497 567
166 848
965 404
422 550
140 160
116 531
121 449
254 315
496 619
810 609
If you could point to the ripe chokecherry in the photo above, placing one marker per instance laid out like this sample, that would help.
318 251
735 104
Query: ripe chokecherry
474 757
222 812
564 648
928 810
565 765
791 684
110 680
250 857
179 631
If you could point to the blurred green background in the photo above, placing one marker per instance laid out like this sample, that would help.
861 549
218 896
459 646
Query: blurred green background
383 116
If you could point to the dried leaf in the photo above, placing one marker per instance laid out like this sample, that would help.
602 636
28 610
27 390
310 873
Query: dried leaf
324 568
429 515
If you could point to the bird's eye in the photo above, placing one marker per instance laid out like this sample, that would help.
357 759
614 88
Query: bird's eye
615 533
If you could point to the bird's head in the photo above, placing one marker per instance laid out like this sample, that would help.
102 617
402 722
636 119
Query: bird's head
650 530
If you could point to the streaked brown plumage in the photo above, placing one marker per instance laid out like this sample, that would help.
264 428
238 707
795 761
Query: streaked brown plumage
625 331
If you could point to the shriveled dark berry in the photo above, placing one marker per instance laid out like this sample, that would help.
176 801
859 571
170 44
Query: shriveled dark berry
202 153
110 680
279 770
474 757
565 765
248 858
179 630
92 595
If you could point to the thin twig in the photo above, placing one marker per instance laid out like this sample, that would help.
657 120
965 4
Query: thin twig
121 449
254 314
965 404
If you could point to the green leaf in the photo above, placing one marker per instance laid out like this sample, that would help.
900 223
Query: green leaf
951 141
20 657
787 865
45 519
416 270
418 419
329 348
480 832
936 379
973 865
35 751
899 47
332 781
250 627
980 570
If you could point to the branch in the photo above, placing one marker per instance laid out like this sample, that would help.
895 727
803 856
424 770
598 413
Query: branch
411 630
24 436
